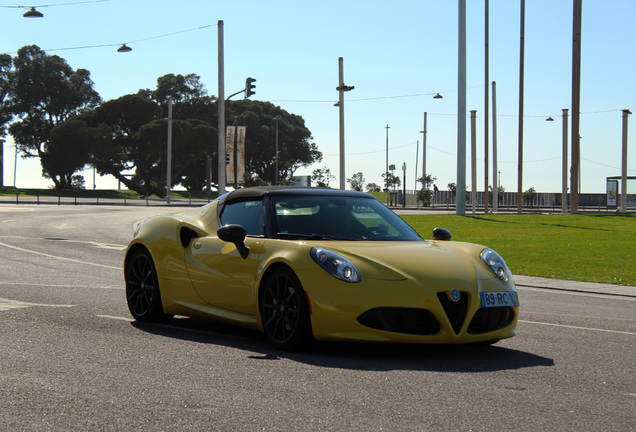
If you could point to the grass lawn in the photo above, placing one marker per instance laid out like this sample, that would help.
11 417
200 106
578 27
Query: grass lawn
584 247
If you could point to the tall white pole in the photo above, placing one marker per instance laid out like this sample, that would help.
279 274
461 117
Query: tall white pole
341 91
473 159
576 106
521 80
495 183
461 111
221 116
564 179
2 162
626 113
276 150
15 165
417 155
486 62
169 153
424 132
386 173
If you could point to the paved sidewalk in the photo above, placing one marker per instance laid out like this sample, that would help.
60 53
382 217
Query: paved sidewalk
574 286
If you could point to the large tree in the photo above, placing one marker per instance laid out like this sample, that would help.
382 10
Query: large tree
116 150
191 139
67 152
5 86
44 92
131 144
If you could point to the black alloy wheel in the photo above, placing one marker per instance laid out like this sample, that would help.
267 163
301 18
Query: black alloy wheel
284 310
142 288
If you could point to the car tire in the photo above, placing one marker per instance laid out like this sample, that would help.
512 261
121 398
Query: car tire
284 310
142 288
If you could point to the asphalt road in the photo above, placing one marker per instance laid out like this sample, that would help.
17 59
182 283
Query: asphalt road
72 359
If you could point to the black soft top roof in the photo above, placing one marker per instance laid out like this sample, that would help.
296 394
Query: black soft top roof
257 192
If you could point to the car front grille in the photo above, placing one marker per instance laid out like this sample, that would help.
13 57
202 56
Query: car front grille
401 320
490 319
455 310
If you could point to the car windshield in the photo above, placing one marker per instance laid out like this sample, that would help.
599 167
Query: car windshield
338 218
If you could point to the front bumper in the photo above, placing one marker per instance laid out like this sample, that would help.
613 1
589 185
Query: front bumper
408 311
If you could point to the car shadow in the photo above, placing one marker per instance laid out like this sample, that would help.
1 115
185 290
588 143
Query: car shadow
352 355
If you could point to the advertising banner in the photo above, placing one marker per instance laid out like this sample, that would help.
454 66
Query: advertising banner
612 193
229 154
234 154
240 153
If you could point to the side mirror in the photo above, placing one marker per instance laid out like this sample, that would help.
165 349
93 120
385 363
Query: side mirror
441 234
234 234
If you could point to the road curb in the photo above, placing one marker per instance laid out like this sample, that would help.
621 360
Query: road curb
575 286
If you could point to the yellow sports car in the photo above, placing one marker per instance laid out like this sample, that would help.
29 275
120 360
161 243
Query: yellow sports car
301 263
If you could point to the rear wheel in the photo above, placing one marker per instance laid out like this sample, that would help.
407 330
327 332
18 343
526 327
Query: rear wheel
284 310
142 288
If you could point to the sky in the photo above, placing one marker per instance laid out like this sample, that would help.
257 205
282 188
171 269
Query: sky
396 54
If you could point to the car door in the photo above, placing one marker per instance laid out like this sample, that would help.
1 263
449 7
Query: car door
221 277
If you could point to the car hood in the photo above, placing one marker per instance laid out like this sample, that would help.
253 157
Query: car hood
415 260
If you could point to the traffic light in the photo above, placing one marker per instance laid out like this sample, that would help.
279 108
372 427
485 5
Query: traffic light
249 87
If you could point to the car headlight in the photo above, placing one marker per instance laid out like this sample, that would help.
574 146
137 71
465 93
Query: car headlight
496 263
335 264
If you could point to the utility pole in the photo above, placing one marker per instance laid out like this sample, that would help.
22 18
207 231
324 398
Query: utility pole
1 161
341 89
386 172
169 153
626 113
486 61
424 133
564 180
276 150
221 116
521 66
495 177
461 111
576 107
473 159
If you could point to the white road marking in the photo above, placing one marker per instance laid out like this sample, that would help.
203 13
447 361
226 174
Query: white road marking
115 318
96 244
578 328
58 257
60 286
6 304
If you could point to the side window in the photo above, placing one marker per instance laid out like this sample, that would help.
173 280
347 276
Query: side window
248 214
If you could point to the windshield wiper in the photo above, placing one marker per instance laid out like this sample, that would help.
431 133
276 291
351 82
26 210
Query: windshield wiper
314 236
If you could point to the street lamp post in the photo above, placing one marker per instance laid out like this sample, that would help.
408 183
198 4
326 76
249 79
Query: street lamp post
1 162
341 89
221 114
386 171
424 133
564 164
521 84
276 150
169 153
15 165
626 113
460 208
495 198
473 160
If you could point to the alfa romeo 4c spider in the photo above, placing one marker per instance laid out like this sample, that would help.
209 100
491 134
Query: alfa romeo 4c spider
311 263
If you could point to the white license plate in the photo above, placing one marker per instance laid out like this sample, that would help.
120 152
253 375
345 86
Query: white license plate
498 299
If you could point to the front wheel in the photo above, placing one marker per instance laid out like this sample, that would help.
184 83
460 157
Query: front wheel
142 288
284 310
